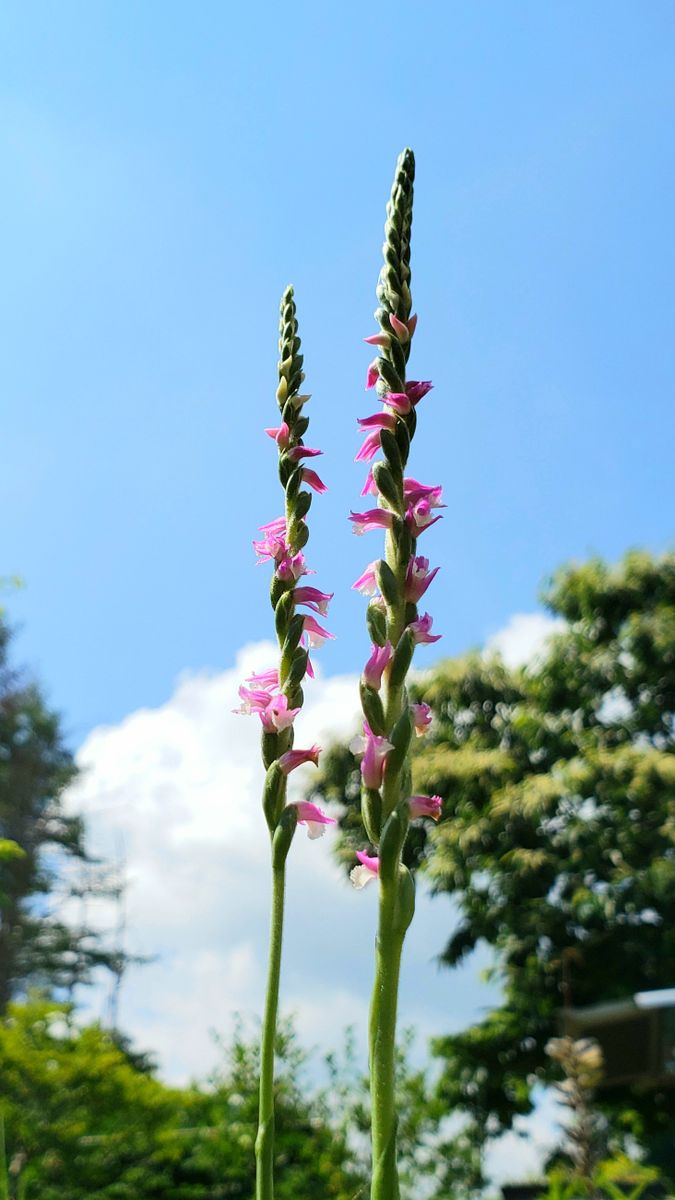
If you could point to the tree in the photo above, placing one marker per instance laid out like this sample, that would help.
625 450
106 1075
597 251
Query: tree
557 841
37 839
83 1120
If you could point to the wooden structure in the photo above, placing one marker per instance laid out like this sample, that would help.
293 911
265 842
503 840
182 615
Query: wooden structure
636 1035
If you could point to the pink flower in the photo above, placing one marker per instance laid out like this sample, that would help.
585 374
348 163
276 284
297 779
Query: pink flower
314 599
295 758
372 375
417 388
379 659
421 629
265 679
421 715
369 488
316 634
425 806
417 578
413 491
379 420
253 700
369 447
277 527
375 424
272 546
280 435
419 516
379 339
298 452
399 400
375 518
277 716
422 499
368 869
314 481
412 324
400 328
313 817
366 584
374 750
404 401
291 566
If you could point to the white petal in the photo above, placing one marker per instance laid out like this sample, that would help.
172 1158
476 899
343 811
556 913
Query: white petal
360 876
315 640
315 829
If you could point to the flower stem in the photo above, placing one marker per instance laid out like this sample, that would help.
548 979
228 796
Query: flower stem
264 1146
384 1183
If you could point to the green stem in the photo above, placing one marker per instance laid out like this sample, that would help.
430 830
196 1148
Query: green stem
384 1120
264 1146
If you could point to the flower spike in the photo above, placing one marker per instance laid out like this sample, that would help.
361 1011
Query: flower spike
405 509
276 695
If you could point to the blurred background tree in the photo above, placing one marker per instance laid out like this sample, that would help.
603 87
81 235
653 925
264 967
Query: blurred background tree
557 841
38 841
84 1119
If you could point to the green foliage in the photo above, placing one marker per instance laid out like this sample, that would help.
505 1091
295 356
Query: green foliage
83 1120
557 842
618 1178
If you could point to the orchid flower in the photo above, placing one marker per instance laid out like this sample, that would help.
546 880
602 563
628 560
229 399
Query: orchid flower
291 567
292 759
367 870
379 659
277 715
270 547
421 631
366 583
421 715
416 389
280 435
417 578
276 527
314 599
253 700
419 516
370 487
413 491
374 518
269 680
372 374
314 481
373 750
298 452
316 634
425 806
313 817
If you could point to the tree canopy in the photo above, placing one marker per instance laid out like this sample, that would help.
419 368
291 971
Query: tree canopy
85 1118
37 838
557 840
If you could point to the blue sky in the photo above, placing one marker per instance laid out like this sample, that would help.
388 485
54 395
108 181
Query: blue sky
169 167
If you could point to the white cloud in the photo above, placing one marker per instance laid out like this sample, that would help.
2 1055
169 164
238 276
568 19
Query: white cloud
523 638
520 1155
178 788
